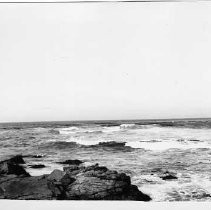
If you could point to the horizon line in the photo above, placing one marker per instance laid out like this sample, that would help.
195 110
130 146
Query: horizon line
150 119
97 1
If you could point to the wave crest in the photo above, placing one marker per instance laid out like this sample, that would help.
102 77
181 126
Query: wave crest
126 126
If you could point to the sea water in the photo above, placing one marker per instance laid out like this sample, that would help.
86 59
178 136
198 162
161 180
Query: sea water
143 149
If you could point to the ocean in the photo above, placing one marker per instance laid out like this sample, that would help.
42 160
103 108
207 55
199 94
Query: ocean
145 150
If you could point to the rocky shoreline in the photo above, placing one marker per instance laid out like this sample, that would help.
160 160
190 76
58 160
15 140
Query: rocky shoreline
75 182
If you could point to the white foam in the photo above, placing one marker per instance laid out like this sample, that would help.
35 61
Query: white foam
47 170
69 130
82 141
202 181
81 131
158 192
125 126
164 145
111 129
155 187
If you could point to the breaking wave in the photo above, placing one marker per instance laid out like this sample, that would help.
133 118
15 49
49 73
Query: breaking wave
102 129
153 145
68 130
126 126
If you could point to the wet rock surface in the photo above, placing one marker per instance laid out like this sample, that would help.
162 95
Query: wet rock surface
168 177
164 174
71 162
75 182
112 144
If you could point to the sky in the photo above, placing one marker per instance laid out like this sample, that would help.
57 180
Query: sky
104 61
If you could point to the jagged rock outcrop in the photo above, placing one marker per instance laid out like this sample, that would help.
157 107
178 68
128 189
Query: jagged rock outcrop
76 182
99 183
12 166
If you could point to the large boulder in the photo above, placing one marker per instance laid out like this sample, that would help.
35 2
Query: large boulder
74 183
99 183
11 166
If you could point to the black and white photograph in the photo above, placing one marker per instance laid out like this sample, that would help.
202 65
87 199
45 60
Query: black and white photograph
105 101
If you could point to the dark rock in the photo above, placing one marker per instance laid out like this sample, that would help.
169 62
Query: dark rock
7 168
164 174
71 162
11 166
99 183
195 140
74 183
38 156
56 175
72 170
112 144
168 177
18 159
96 167
28 188
37 166
67 180
6 178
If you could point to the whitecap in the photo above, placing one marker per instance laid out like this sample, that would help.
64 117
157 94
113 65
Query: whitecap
86 142
68 130
165 145
111 129
125 126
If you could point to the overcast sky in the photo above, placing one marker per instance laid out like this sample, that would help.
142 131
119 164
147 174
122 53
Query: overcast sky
105 61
